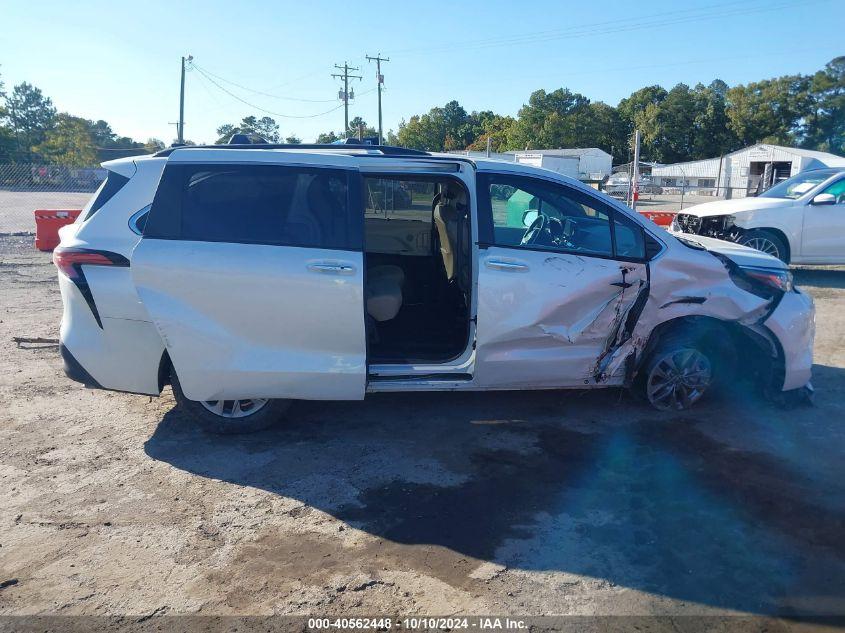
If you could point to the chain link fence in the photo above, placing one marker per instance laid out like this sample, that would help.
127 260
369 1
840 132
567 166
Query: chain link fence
682 185
25 188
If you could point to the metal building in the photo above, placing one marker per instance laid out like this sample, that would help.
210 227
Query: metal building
745 172
588 163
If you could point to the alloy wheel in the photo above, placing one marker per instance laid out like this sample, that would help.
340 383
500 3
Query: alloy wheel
235 408
679 379
764 245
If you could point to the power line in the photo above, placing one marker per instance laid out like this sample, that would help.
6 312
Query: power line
570 29
260 92
252 105
602 28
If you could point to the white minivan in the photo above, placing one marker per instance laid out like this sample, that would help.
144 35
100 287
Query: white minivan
250 276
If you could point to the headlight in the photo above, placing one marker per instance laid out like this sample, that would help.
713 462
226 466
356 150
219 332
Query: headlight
770 278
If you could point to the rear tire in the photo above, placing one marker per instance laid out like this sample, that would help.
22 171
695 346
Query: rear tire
678 373
241 416
768 242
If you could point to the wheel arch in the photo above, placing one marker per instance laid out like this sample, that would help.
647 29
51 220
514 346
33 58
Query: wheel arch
750 348
165 367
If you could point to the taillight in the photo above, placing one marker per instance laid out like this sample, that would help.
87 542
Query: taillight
68 260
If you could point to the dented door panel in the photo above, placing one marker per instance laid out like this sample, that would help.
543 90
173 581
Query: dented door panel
546 318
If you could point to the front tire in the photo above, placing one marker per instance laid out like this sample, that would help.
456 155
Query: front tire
229 417
768 242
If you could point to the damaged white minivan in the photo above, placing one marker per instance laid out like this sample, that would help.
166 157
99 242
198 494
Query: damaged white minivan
250 276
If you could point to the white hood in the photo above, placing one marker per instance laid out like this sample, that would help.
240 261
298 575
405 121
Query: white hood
740 255
732 207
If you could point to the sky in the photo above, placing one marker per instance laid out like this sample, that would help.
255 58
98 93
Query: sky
120 61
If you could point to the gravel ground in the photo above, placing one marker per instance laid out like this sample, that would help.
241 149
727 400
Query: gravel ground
506 503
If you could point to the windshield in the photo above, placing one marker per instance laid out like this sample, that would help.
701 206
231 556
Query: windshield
798 185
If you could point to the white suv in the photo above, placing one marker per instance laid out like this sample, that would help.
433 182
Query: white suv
800 220
250 276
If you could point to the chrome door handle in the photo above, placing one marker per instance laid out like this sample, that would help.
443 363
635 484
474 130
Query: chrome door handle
331 269
511 267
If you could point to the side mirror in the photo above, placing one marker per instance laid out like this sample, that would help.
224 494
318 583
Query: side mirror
528 217
823 199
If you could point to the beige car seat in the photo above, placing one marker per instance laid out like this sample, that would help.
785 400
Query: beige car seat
446 220
384 291
450 218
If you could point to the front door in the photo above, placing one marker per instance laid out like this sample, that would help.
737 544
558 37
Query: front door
253 275
559 271
823 234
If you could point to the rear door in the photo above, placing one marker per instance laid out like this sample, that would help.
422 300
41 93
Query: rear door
559 272
253 275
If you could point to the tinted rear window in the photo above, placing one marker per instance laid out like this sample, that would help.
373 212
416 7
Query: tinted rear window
254 204
114 182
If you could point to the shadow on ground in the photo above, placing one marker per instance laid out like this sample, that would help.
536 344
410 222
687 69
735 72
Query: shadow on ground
819 277
738 505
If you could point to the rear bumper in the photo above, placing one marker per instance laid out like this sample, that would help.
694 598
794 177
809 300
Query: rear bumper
75 371
794 325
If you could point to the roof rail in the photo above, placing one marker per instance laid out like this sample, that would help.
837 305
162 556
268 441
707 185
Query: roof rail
386 150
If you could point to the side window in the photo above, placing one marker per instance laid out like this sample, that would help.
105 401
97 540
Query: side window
395 199
630 237
535 214
398 214
837 189
254 204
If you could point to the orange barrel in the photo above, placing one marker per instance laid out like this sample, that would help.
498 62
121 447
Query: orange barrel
47 225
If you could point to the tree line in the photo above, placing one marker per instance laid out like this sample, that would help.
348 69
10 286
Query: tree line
32 131
678 124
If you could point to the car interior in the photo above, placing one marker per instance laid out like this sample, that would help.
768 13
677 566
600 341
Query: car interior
419 275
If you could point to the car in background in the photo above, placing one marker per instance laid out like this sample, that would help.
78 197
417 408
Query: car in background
618 184
249 276
800 220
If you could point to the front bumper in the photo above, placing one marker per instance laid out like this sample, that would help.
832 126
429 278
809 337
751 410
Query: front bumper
793 323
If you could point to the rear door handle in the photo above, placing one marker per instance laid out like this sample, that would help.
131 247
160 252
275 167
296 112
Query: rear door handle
621 284
511 267
331 268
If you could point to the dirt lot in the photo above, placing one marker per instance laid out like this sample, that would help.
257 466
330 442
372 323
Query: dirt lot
510 503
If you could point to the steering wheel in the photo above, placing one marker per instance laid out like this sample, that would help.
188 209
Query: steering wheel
534 231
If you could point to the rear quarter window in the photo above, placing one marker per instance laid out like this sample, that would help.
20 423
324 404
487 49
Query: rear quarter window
113 183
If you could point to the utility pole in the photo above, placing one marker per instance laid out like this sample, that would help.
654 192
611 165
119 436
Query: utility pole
345 92
180 127
378 59
635 193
